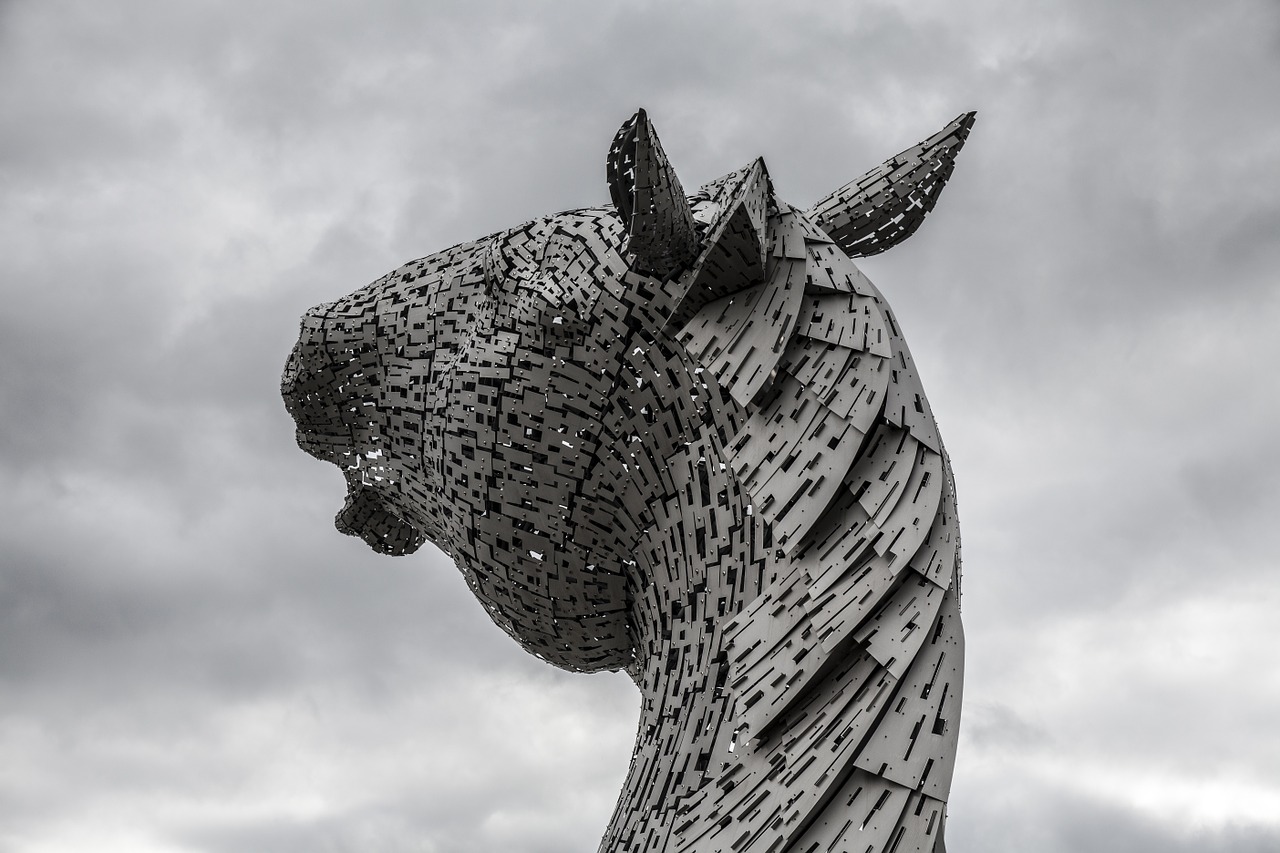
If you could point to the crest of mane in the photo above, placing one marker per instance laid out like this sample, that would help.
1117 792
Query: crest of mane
682 436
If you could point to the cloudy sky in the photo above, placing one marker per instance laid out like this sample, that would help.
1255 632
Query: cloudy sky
192 659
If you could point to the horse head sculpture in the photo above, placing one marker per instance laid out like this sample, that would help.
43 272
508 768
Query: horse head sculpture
682 436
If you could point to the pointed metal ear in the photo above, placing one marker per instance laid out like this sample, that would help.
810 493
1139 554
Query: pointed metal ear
647 194
732 255
886 205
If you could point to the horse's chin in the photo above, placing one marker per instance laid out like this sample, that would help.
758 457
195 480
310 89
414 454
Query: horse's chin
366 515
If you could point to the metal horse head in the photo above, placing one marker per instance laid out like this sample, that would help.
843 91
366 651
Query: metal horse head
682 436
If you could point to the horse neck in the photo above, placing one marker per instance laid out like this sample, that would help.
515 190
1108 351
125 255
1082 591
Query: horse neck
702 559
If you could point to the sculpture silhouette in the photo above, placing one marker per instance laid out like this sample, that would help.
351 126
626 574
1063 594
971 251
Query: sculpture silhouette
682 436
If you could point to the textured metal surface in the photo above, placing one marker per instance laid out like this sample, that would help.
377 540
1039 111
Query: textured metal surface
684 437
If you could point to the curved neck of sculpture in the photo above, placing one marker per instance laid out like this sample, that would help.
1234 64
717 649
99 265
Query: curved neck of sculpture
703 556
707 772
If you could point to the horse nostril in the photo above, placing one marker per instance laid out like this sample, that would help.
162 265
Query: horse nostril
312 403
328 385
289 379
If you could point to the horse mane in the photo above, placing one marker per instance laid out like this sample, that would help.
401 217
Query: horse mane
851 657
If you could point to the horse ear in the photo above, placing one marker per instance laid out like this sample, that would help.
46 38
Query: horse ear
661 236
886 205
733 252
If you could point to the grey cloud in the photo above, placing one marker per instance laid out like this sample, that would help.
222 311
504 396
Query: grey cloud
992 725
1060 821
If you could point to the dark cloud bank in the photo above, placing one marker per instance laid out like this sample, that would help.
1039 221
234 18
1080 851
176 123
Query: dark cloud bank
192 659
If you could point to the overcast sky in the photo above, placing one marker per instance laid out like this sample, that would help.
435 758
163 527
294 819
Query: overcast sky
193 659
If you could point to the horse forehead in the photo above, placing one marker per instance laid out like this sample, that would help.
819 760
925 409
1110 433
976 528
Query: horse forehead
583 245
